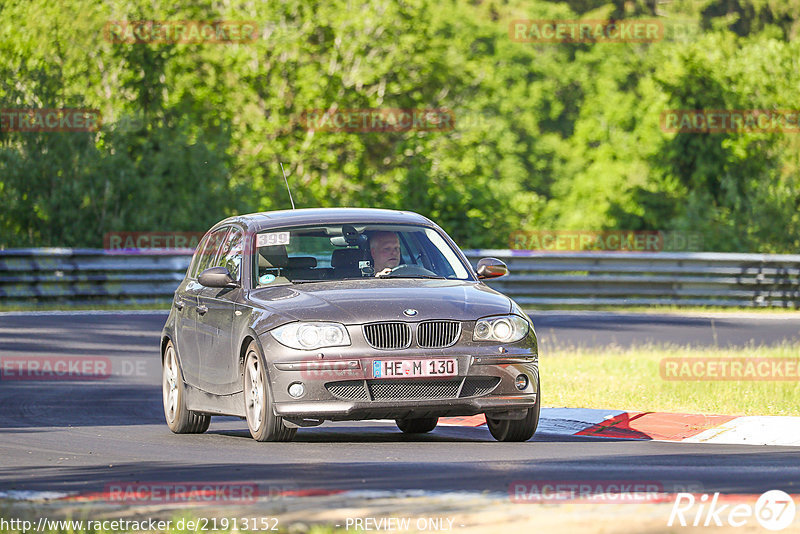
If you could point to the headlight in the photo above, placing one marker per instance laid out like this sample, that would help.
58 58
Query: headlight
309 336
505 329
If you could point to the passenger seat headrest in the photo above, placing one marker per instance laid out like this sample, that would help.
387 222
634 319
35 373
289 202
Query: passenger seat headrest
273 256
302 262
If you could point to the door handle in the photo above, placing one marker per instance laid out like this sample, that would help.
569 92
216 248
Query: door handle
179 304
202 309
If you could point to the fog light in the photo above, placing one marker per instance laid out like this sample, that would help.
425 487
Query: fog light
521 382
297 390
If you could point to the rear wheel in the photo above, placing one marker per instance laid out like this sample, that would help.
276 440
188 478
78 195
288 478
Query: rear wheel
516 429
261 419
180 419
419 425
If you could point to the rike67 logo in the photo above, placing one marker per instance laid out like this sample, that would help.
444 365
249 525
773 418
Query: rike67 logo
774 510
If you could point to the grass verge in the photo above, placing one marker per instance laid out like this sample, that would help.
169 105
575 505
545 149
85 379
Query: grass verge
631 379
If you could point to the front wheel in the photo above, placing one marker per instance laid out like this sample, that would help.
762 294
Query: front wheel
516 429
263 423
419 425
180 419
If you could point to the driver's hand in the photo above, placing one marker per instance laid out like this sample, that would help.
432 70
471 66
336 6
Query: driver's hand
384 272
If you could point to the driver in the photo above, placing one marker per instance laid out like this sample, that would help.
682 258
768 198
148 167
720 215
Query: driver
385 250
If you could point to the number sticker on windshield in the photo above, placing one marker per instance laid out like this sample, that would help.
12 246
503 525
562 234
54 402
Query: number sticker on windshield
273 238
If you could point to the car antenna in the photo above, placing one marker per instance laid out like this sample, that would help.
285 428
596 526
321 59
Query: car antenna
285 179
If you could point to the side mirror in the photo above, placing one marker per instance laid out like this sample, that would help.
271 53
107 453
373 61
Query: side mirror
491 268
217 277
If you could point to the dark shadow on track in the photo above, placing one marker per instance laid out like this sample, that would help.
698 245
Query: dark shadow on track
60 404
737 472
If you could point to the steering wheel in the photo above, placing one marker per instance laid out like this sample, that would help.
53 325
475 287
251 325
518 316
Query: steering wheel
405 269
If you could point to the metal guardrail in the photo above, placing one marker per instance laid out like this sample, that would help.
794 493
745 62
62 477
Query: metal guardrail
644 279
537 278
53 275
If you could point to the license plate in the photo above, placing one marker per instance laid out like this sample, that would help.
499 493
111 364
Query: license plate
414 368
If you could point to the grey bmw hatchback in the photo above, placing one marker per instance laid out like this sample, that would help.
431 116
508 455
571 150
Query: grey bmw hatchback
291 318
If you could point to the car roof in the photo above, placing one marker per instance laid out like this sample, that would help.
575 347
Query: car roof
256 222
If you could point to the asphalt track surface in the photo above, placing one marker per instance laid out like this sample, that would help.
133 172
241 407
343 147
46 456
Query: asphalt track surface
83 436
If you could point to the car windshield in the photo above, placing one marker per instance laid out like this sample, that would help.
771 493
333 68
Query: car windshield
354 251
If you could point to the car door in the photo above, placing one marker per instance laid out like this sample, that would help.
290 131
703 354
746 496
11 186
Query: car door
186 330
186 301
219 369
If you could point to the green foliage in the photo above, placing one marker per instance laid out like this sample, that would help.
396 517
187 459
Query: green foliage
546 135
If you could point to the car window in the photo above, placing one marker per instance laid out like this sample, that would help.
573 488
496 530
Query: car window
345 252
231 253
198 255
442 257
208 250
309 245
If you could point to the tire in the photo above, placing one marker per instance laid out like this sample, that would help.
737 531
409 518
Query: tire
261 419
518 429
180 419
420 425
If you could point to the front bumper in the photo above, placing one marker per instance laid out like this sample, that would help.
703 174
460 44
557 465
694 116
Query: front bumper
338 410
339 382
482 385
